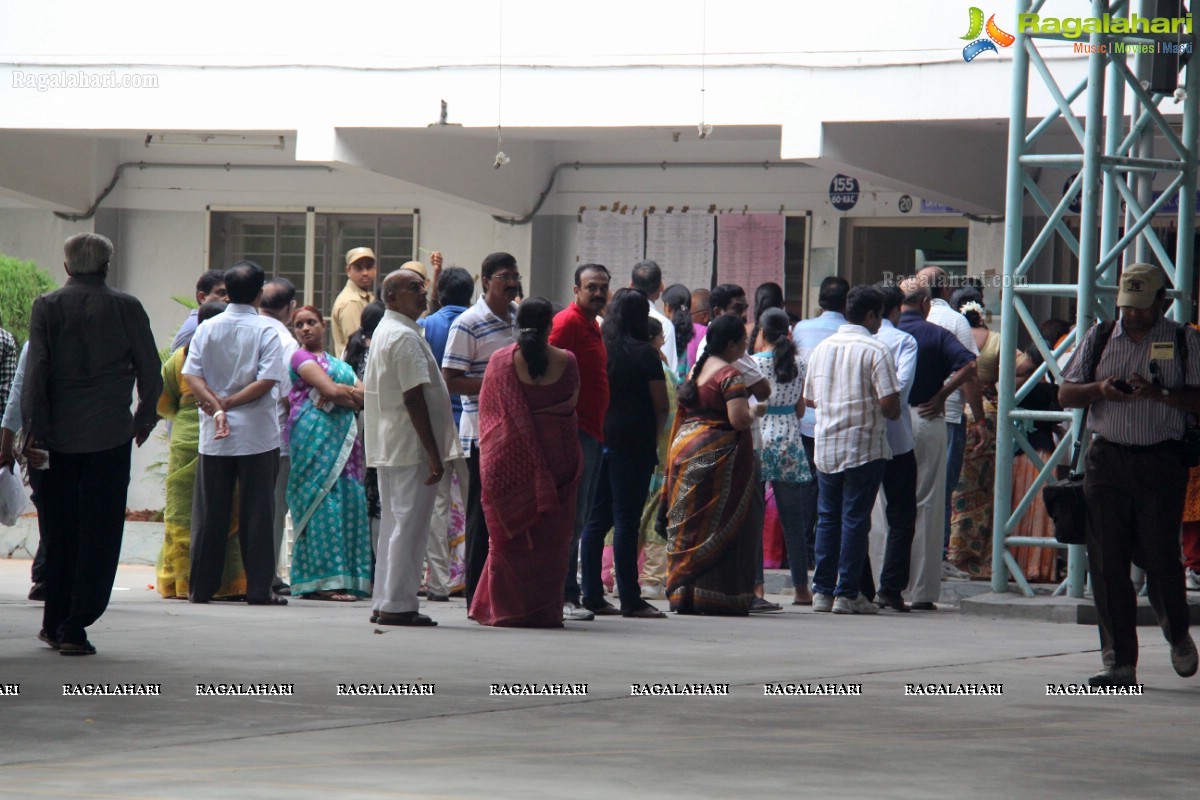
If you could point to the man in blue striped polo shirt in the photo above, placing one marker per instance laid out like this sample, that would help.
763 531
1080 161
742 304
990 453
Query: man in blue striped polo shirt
479 332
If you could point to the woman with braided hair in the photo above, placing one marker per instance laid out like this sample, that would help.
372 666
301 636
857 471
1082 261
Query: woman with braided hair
710 482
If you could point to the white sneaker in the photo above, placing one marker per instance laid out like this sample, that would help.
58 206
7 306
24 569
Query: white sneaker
577 612
654 592
822 602
857 605
953 573
1193 581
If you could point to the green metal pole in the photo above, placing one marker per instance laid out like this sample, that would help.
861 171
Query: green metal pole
1014 214
1089 239
1185 243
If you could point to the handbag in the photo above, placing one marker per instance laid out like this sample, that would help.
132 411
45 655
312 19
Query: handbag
12 495
1066 504
1067 507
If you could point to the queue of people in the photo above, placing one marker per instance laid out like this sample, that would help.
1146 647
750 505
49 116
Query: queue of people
494 448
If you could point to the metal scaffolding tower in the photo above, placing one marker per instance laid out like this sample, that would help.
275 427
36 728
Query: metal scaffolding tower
1115 167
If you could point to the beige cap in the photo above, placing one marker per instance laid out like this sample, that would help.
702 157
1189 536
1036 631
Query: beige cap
1140 284
359 253
417 267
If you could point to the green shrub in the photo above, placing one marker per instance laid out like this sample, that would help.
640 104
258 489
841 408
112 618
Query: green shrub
21 282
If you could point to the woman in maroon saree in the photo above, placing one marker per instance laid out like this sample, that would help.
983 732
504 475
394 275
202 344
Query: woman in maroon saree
530 465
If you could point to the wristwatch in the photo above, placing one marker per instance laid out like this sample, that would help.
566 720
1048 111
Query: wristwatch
1166 393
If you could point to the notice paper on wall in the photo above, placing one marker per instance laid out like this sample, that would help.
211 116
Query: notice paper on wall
751 251
682 244
615 240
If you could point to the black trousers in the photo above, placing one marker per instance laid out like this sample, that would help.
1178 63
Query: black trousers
1135 500
476 529
810 519
212 504
83 505
38 573
900 492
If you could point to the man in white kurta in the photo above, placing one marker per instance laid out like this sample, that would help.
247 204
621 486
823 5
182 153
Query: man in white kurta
409 435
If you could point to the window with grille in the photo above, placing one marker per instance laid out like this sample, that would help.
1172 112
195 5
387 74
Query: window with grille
276 242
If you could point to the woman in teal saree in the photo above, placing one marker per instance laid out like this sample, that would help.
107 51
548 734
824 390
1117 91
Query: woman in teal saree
331 557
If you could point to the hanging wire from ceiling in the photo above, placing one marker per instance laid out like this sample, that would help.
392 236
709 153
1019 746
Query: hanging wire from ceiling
703 128
501 157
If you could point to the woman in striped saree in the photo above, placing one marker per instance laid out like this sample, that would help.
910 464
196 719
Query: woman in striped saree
709 483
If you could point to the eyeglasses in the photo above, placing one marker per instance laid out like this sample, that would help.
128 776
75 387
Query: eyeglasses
507 277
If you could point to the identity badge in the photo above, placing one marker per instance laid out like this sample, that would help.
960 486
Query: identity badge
1162 351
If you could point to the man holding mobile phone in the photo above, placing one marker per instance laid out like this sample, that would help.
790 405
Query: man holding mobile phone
1136 476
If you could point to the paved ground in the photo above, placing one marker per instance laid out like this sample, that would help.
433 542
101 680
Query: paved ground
461 742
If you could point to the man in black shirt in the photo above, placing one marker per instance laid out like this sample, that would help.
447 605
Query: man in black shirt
88 344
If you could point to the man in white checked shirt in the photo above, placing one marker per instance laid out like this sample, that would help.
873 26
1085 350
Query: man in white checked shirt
852 381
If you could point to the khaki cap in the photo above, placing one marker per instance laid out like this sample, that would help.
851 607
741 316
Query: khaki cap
359 253
1140 284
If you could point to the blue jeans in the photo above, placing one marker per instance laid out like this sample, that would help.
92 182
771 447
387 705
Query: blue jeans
593 451
843 525
793 501
620 498
956 445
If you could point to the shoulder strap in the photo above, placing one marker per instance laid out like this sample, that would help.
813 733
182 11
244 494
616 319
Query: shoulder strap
1181 352
1104 332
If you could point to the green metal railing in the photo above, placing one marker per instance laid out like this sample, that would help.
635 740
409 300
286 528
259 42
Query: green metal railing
1116 167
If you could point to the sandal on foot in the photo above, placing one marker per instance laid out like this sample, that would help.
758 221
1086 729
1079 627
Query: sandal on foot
273 600
409 618
645 612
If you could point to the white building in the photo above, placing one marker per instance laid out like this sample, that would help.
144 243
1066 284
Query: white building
290 133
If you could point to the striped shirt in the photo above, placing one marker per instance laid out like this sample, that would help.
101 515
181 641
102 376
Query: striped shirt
1143 421
848 374
942 315
807 334
474 337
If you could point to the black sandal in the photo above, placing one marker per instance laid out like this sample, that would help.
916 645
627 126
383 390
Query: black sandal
273 600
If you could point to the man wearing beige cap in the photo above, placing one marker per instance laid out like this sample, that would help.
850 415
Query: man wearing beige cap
1135 377
357 295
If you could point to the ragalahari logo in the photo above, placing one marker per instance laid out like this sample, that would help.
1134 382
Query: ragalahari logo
995 36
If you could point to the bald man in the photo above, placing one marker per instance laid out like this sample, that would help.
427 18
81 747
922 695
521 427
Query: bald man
409 435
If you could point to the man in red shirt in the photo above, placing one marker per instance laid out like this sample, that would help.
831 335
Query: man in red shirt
576 329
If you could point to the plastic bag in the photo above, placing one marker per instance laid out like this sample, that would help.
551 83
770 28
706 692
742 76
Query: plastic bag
12 495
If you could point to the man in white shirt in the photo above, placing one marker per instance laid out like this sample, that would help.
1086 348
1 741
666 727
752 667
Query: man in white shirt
277 306
233 364
409 435
894 520
852 381
647 278
942 315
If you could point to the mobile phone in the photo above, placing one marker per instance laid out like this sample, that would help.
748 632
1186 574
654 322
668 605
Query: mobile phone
1123 387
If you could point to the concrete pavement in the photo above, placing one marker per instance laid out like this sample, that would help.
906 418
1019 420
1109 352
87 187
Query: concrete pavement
463 742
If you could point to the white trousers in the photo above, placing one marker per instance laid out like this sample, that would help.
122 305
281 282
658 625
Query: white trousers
925 575
438 553
406 516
